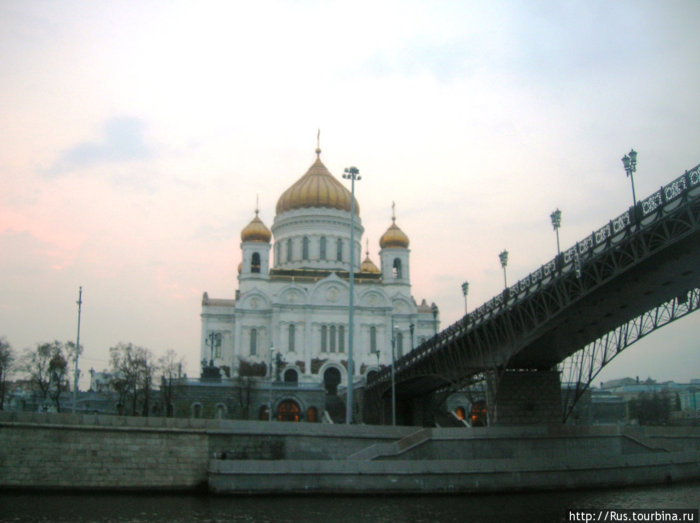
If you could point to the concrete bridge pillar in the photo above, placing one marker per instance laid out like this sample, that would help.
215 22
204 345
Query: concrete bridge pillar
524 397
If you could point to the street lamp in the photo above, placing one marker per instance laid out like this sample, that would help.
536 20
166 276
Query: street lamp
393 375
465 291
630 163
504 262
556 223
352 174
434 308
269 390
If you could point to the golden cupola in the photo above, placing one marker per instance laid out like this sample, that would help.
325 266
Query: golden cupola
394 237
368 265
317 188
256 231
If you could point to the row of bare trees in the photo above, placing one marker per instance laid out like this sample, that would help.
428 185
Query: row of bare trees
133 371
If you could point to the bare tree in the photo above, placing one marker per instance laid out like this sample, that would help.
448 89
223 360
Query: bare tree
7 357
132 376
47 368
170 367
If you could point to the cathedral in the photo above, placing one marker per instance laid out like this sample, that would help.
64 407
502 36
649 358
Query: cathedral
286 328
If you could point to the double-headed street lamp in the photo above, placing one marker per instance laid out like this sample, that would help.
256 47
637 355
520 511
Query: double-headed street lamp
465 291
630 163
352 174
556 223
504 262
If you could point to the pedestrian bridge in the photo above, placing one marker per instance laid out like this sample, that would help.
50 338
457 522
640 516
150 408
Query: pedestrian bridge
636 273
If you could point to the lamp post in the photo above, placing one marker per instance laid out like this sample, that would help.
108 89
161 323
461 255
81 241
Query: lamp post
412 329
269 390
77 351
434 308
465 291
393 375
504 262
630 163
352 174
556 223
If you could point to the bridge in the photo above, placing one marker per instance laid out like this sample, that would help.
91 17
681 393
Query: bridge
635 274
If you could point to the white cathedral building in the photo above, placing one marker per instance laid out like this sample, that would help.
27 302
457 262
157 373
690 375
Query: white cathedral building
289 318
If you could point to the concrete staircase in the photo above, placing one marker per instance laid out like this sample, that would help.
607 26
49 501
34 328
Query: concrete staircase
394 448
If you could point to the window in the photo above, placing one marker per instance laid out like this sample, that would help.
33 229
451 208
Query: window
339 253
399 344
255 262
397 269
291 338
373 339
196 410
324 346
323 248
289 249
341 339
253 342
305 248
291 376
277 253
332 338
312 414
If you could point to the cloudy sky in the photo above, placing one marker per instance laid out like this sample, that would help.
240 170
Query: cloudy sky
136 137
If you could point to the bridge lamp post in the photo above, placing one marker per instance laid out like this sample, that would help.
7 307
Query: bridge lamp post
630 163
556 223
465 291
434 309
352 174
504 262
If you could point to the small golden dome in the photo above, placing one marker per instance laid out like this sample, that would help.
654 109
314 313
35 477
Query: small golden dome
394 237
256 231
240 267
317 188
369 266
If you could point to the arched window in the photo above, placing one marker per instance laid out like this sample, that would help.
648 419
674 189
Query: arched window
339 253
312 415
332 338
371 375
322 248
196 410
324 336
289 249
373 339
396 272
288 411
291 376
399 344
305 248
220 411
331 380
253 342
277 253
461 413
291 338
341 339
255 262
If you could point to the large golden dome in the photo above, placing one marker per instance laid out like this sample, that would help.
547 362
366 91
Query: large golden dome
256 231
317 188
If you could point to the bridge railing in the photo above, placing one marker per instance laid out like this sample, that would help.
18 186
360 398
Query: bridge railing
686 186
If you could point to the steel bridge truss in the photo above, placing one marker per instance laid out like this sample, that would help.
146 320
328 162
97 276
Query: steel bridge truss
581 368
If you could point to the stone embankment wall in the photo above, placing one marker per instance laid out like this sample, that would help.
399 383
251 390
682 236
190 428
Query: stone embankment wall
90 452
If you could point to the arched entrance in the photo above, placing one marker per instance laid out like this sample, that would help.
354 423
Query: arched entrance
288 410
331 380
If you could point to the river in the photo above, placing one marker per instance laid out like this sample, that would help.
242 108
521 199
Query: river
49 507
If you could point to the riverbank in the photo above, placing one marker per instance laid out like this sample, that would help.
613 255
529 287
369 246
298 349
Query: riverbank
92 452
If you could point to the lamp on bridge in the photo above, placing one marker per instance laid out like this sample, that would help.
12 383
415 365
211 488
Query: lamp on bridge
630 163
556 223
465 291
504 262
352 174
434 308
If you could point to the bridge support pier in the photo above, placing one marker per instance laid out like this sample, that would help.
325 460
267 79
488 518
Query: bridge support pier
524 397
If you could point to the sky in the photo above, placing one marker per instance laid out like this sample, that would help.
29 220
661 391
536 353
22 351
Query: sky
138 136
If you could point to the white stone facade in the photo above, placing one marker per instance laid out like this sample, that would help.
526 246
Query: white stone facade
298 306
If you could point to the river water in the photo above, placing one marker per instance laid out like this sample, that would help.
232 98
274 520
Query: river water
160 508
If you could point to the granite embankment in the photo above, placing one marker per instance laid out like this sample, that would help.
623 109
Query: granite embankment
63 451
